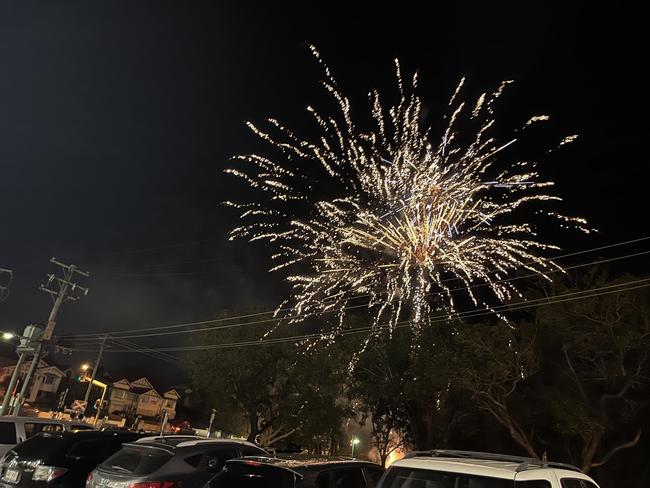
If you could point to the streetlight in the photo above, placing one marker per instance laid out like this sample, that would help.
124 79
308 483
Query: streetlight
85 367
7 336
354 442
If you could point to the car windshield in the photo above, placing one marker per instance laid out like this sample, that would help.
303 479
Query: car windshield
419 478
253 475
136 460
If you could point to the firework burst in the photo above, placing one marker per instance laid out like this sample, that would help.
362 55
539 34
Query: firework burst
404 223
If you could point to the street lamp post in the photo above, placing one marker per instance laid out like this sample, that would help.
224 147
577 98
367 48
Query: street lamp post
354 442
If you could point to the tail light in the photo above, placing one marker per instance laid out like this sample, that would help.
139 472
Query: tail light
48 473
155 484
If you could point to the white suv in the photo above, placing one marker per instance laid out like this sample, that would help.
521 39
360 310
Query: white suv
465 469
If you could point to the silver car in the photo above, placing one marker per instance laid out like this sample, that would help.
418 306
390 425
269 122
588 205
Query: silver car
168 462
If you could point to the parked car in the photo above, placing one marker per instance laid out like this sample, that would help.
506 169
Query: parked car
59 459
297 472
14 430
169 462
443 468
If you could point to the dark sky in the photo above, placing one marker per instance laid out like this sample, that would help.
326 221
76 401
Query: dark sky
118 118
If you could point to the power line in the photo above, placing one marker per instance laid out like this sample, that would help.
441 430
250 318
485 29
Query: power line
618 288
146 350
131 335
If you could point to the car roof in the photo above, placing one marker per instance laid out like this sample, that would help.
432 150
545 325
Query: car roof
80 434
168 439
301 461
196 442
479 463
173 442
479 467
41 420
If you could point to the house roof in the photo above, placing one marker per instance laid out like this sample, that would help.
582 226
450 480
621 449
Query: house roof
172 394
52 370
142 386
151 392
123 384
43 367
142 383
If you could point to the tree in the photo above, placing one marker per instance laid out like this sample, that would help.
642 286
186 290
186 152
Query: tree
496 360
404 390
268 392
603 354
574 382
377 389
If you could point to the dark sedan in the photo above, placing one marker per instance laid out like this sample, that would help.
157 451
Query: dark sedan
297 472
59 460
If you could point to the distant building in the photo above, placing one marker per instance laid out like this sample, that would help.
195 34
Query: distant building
45 385
140 398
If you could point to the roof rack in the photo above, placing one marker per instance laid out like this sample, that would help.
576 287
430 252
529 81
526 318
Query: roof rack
525 463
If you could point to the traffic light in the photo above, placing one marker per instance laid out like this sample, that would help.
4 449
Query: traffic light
79 377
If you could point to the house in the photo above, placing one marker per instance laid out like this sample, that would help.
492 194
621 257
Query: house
140 398
45 385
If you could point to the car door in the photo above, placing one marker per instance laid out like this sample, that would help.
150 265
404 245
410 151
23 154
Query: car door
8 436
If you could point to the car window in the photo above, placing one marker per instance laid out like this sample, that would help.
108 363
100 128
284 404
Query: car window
93 449
348 478
576 483
135 460
374 474
216 459
33 428
194 460
402 477
7 433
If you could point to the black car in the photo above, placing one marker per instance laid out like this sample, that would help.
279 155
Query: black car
59 460
169 462
297 472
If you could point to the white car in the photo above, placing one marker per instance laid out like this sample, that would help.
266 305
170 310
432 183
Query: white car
466 469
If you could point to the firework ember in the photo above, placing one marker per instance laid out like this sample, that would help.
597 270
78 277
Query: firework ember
386 214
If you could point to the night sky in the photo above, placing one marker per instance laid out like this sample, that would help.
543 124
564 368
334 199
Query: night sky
117 120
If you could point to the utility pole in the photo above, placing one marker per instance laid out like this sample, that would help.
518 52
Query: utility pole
30 336
67 290
28 379
95 367
12 383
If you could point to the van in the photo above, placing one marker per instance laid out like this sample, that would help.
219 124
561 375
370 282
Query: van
14 430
